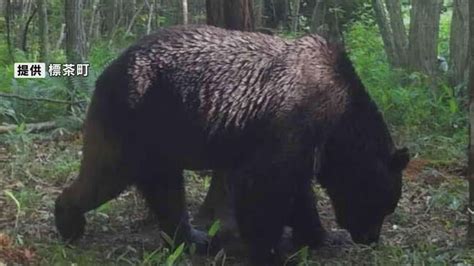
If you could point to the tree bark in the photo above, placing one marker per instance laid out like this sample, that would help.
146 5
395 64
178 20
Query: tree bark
94 20
231 14
470 167
75 44
238 15
151 13
400 38
185 11
459 42
296 15
215 13
423 38
8 12
386 32
24 38
75 37
258 12
43 31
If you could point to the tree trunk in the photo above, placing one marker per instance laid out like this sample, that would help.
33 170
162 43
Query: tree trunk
43 31
238 15
75 42
399 33
75 37
258 12
386 32
151 13
185 11
423 38
231 14
296 15
459 42
24 38
8 12
215 13
470 167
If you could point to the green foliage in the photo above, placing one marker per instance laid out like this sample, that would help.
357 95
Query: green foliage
444 32
421 118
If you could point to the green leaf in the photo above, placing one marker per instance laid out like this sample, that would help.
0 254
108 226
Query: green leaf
453 105
176 254
215 227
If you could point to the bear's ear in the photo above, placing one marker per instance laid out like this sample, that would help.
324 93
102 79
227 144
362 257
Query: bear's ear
400 159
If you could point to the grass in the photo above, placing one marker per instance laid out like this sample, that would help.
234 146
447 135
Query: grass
428 227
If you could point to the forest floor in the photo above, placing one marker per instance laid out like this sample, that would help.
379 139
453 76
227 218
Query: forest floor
428 227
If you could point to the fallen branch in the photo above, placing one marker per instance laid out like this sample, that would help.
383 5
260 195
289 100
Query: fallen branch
33 127
31 99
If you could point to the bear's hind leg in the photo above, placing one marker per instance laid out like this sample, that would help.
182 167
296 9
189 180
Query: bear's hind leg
163 190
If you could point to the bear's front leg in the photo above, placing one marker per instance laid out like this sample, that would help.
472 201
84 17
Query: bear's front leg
87 192
262 200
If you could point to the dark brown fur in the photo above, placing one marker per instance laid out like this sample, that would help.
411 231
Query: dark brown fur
253 106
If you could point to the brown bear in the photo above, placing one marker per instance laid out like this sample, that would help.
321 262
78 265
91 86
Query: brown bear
253 106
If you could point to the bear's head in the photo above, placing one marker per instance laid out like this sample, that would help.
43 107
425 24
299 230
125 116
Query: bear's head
362 172
362 202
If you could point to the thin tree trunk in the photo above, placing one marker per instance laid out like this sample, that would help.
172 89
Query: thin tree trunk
423 38
185 12
459 42
470 167
296 15
62 35
150 16
43 30
75 43
386 32
132 22
400 38
109 13
258 13
8 12
24 38
94 20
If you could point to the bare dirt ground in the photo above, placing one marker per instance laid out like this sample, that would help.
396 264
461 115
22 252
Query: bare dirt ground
428 227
